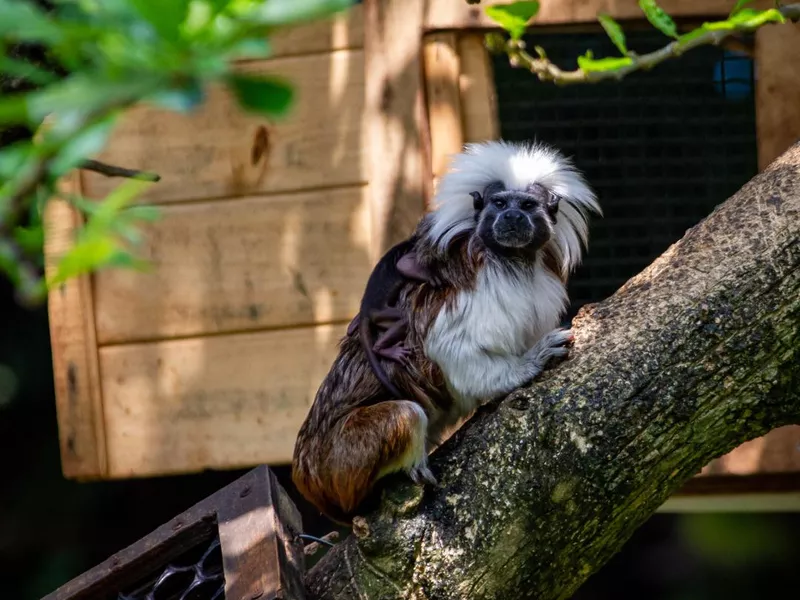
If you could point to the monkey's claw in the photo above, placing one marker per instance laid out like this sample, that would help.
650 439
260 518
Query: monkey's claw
552 345
422 475
399 354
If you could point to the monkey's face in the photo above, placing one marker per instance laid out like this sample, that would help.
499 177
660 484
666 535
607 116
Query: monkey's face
515 219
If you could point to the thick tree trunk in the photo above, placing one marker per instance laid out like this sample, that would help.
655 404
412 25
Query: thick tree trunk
692 357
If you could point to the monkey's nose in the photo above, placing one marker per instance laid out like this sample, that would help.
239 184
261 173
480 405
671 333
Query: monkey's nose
513 216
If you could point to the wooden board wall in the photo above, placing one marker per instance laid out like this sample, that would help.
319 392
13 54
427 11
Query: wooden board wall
777 56
211 358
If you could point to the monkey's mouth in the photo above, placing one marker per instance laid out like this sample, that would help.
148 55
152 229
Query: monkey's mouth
513 237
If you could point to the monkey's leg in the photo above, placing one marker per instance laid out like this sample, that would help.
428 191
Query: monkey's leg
389 344
370 443
385 317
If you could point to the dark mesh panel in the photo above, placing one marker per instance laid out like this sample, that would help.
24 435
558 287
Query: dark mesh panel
661 148
196 575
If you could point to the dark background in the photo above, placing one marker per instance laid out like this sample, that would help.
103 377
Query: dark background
661 148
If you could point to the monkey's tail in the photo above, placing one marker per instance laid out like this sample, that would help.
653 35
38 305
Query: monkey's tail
372 358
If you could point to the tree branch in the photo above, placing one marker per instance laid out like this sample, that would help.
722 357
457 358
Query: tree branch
113 171
546 70
692 357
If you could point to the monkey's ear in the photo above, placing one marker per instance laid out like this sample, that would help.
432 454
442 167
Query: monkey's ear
552 204
477 201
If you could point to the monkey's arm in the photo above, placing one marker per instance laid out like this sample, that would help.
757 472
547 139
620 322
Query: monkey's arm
411 267
477 374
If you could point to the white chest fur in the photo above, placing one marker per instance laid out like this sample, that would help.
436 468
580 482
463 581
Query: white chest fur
506 313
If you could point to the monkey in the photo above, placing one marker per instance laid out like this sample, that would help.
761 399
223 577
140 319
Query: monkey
382 290
509 223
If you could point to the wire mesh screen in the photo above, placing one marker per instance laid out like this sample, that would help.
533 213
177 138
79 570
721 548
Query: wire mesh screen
196 575
661 148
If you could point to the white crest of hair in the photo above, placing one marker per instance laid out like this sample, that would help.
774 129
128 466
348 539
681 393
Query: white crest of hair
516 165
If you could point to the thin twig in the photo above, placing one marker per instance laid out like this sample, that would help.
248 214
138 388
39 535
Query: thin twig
543 68
326 540
114 171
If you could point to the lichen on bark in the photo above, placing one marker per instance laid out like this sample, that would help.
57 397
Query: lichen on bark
690 358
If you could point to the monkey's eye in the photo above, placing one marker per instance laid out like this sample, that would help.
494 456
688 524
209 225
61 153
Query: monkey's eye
499 203
527 205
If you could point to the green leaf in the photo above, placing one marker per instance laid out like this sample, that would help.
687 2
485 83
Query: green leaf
88 254
107 210
30 239
25 70
251 48
20 20
614 32
686 38
275 13
165 16
658 18
13 157
86 93
267 95
589 64
752 18
513 17
143 213
87 142
14 109
180 99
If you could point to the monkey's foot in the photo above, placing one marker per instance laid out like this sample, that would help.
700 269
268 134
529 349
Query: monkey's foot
409 266
399 354
351 329
422 475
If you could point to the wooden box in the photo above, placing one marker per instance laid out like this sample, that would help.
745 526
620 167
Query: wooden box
269 231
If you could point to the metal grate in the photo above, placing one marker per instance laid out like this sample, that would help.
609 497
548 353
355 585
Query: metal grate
661 148
196 575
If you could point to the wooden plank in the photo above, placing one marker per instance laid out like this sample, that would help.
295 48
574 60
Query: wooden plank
224 401
752 502
258 525
262 553
442 70
243 264
221 151
125 568
777 90
345 31
480 120
74 349
395 125
448 15
774 453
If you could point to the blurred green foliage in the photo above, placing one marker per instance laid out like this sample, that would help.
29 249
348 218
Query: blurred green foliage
104 56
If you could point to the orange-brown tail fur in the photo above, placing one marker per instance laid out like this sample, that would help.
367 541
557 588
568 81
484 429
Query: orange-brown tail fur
336 469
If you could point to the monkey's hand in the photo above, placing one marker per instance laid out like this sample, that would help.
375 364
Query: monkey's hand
410 266
552 345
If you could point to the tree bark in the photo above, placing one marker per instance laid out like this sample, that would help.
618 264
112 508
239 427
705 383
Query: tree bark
690 358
